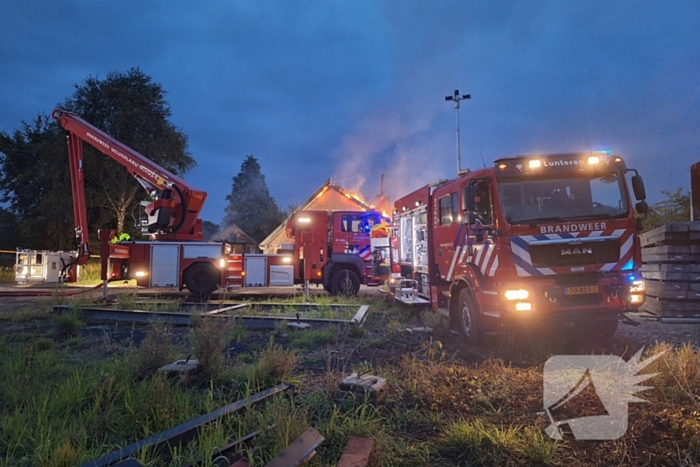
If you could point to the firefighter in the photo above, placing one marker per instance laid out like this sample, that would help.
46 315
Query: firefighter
124 237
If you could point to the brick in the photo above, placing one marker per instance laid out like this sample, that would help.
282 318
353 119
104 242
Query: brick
357 452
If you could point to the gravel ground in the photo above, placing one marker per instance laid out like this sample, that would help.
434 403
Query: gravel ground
650 331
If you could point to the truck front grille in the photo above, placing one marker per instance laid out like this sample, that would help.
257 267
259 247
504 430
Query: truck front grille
591 278
548 255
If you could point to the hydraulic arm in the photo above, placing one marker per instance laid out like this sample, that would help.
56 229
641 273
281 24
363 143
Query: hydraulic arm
172 213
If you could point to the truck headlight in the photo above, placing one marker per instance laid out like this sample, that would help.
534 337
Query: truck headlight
636 299
637 286
516 294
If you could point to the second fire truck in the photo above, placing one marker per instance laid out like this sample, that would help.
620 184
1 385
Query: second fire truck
533 239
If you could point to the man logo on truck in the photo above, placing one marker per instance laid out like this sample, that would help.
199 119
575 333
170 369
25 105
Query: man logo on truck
577 251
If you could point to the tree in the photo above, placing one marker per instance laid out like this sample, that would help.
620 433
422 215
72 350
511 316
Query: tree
133 110
210 229
251 207
35 180
674 208
8 230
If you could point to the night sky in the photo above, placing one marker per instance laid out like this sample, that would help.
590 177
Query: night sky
354 89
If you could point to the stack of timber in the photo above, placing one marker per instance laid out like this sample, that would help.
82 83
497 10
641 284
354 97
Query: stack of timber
671 268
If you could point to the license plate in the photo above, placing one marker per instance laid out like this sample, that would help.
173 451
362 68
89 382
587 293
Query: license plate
580 290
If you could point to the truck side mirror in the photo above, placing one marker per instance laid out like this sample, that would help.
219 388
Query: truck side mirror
642 207
638 187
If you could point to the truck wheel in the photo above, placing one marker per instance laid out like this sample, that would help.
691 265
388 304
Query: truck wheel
201 279
345 282
601 330
467 317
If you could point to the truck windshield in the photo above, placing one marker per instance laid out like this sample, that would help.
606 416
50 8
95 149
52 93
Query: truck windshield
581 197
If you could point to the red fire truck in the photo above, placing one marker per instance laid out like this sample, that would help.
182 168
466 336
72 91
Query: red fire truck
549 238
331 248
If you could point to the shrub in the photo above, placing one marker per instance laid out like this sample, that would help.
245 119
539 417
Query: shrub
43 344
67 325
155 351
275 364
209 338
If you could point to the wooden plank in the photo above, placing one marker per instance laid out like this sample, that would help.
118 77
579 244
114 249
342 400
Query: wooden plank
668 238
668 249
357 452
668 227
663 305
299 451
672 258
656 287
669 294
666 276
669 267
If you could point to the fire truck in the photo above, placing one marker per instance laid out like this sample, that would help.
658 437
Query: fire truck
533 239
331 248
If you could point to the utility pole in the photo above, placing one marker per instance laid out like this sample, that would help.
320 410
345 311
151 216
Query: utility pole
456 98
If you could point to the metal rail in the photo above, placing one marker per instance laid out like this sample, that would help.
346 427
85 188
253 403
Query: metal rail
184 319
183 433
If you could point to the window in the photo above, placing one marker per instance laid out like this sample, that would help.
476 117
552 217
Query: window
455 208
359 223
351 223
449 209
564 198
482 202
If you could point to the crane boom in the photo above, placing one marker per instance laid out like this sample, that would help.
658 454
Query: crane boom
173 212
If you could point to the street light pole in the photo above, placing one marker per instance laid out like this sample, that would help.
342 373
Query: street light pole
456 98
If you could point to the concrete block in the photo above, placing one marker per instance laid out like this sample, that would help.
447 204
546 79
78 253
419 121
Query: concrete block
180 367
295 325
363 385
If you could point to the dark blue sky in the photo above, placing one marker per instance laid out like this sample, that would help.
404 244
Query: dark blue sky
356 89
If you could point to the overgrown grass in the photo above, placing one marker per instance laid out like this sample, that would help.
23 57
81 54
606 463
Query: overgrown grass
273 364
156 350
7 274
209 338
67 325
290 310
26 313
444 406
90 272
478 442
311 337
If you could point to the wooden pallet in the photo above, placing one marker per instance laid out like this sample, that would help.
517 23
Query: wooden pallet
671 268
